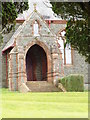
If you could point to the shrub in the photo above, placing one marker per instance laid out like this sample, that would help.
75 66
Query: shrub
73 82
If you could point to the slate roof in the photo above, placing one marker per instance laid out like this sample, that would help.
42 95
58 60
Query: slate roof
10 43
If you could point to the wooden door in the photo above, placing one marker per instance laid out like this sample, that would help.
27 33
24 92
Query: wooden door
36 64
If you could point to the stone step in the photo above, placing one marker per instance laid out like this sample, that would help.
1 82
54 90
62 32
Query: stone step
41 86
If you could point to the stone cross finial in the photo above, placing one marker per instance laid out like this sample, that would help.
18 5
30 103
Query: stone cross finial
35 7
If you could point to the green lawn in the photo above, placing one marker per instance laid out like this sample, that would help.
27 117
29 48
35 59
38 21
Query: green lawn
44 105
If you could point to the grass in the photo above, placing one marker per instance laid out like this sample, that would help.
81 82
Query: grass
44 105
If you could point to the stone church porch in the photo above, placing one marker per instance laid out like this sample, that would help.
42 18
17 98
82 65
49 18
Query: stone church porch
34 57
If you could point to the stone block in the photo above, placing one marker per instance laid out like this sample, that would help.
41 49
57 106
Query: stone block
23 88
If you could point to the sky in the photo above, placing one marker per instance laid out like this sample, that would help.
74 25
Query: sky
43 7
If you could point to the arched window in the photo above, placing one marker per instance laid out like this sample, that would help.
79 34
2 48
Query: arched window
66 52
36 28
61 42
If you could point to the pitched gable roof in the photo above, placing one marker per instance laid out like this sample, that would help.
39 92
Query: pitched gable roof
22 27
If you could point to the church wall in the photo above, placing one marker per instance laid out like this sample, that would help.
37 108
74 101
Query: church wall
0 67
79 66
12 71
57 27
5 68
6 38
21 66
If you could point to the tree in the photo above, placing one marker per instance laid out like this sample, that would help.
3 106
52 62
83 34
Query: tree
78 24
9 14
10 11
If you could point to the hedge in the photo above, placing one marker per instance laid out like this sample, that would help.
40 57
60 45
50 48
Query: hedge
73 83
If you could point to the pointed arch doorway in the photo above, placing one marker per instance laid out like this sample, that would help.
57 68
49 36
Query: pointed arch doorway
36 64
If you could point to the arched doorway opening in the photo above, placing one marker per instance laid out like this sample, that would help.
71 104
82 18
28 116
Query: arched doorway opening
36 64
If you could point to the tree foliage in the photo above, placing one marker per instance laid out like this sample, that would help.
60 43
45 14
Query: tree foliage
10 11
1 38
9 14
78 24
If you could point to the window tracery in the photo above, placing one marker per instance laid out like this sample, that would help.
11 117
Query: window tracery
66 51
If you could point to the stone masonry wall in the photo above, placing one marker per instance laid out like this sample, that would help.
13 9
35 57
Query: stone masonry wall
3 70
6 38
79 67
13 75
57 27
0 67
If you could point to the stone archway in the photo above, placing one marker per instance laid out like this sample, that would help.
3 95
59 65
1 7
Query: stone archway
36 64
48 57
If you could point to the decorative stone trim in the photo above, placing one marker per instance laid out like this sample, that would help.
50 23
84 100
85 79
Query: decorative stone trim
38 25
48 54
